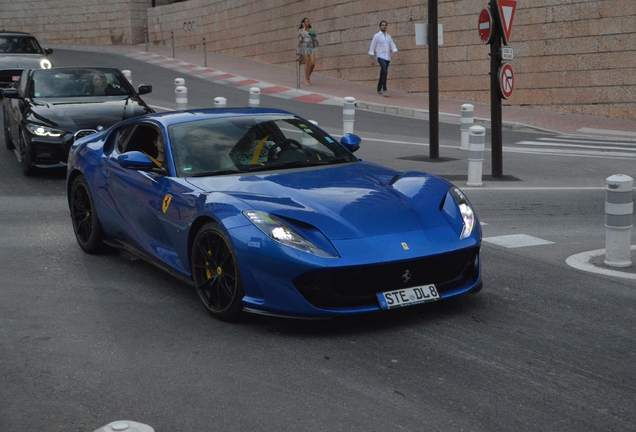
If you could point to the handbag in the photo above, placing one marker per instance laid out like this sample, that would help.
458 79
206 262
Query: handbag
314 40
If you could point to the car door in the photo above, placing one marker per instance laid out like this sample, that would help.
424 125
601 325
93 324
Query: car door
134 194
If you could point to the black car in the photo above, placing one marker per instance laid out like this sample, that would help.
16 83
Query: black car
48 109
19 50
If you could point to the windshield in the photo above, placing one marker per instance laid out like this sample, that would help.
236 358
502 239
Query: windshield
251 143
69 82
19 45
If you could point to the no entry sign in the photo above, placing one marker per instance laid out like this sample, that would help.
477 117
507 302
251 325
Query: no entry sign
506 80
485 25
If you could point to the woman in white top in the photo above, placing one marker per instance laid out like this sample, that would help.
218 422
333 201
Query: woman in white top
306 47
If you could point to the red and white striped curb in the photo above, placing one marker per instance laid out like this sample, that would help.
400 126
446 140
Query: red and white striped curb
237 81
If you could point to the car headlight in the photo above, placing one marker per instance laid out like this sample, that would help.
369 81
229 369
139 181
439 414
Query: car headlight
45 64
44 131
468 215
282 233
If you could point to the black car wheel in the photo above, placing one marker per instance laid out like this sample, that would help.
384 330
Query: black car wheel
27 166
215 274
7 137
88 230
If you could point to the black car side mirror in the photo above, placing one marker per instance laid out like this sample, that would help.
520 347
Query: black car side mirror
48 51
144 89
11 93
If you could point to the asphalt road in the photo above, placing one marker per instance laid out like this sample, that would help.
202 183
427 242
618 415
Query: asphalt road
86 340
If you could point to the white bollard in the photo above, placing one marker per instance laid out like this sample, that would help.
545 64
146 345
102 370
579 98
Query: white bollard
128 75
348 114
179 82
619 208
468 118
476 140
181 96
255 97
220 102
125 426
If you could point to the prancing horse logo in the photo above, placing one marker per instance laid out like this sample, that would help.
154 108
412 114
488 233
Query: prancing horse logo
406 277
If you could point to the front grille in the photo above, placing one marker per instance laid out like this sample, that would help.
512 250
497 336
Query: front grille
50 154
357 286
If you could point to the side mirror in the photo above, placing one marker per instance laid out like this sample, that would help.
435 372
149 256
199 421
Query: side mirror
11 93
136 160
48 51
351 142
144 89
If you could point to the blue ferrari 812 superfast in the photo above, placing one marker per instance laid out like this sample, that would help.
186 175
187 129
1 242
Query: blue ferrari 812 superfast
264 212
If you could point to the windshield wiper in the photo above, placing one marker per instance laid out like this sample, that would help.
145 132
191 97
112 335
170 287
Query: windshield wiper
215 173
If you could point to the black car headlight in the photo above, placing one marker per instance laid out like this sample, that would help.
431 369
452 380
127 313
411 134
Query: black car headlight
45 131
466 211
282 233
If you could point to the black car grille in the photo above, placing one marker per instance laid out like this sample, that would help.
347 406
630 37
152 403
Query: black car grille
6 76
50 154
357 286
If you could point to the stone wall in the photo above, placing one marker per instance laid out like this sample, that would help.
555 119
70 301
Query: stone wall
574 56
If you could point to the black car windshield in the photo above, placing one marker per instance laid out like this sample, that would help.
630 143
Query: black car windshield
19 45
251 143
71 82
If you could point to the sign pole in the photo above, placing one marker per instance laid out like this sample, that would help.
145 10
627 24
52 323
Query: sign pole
433 80
495 96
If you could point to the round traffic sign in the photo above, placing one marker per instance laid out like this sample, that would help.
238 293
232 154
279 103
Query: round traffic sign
485 25
506 80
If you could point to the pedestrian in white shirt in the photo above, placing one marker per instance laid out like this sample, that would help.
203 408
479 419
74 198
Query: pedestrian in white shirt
381 47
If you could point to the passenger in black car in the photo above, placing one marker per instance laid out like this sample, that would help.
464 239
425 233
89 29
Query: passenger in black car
97 86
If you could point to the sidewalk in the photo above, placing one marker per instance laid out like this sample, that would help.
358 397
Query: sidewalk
279 81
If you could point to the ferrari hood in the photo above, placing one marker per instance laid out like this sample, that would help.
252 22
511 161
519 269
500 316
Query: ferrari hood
81 113
349 201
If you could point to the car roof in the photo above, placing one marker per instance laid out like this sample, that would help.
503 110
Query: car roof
14 33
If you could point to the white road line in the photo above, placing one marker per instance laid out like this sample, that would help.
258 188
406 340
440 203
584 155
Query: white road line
516 240
558 144
607 131
581 261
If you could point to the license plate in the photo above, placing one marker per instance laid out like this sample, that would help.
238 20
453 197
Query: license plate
15 78
407 296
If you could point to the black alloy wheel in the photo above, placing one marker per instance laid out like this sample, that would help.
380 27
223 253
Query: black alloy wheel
27 166
88 230
215 274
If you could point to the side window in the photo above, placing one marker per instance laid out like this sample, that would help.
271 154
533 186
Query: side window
122 138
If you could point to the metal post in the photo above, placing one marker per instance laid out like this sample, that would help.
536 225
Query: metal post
146 37
433 80
476 139
468 113
619 209
495 96
205 54
255 97
220 102
297 69
348 114
172 42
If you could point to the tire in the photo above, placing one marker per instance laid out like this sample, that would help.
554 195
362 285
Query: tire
215 274
27 166
8 142
88 230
